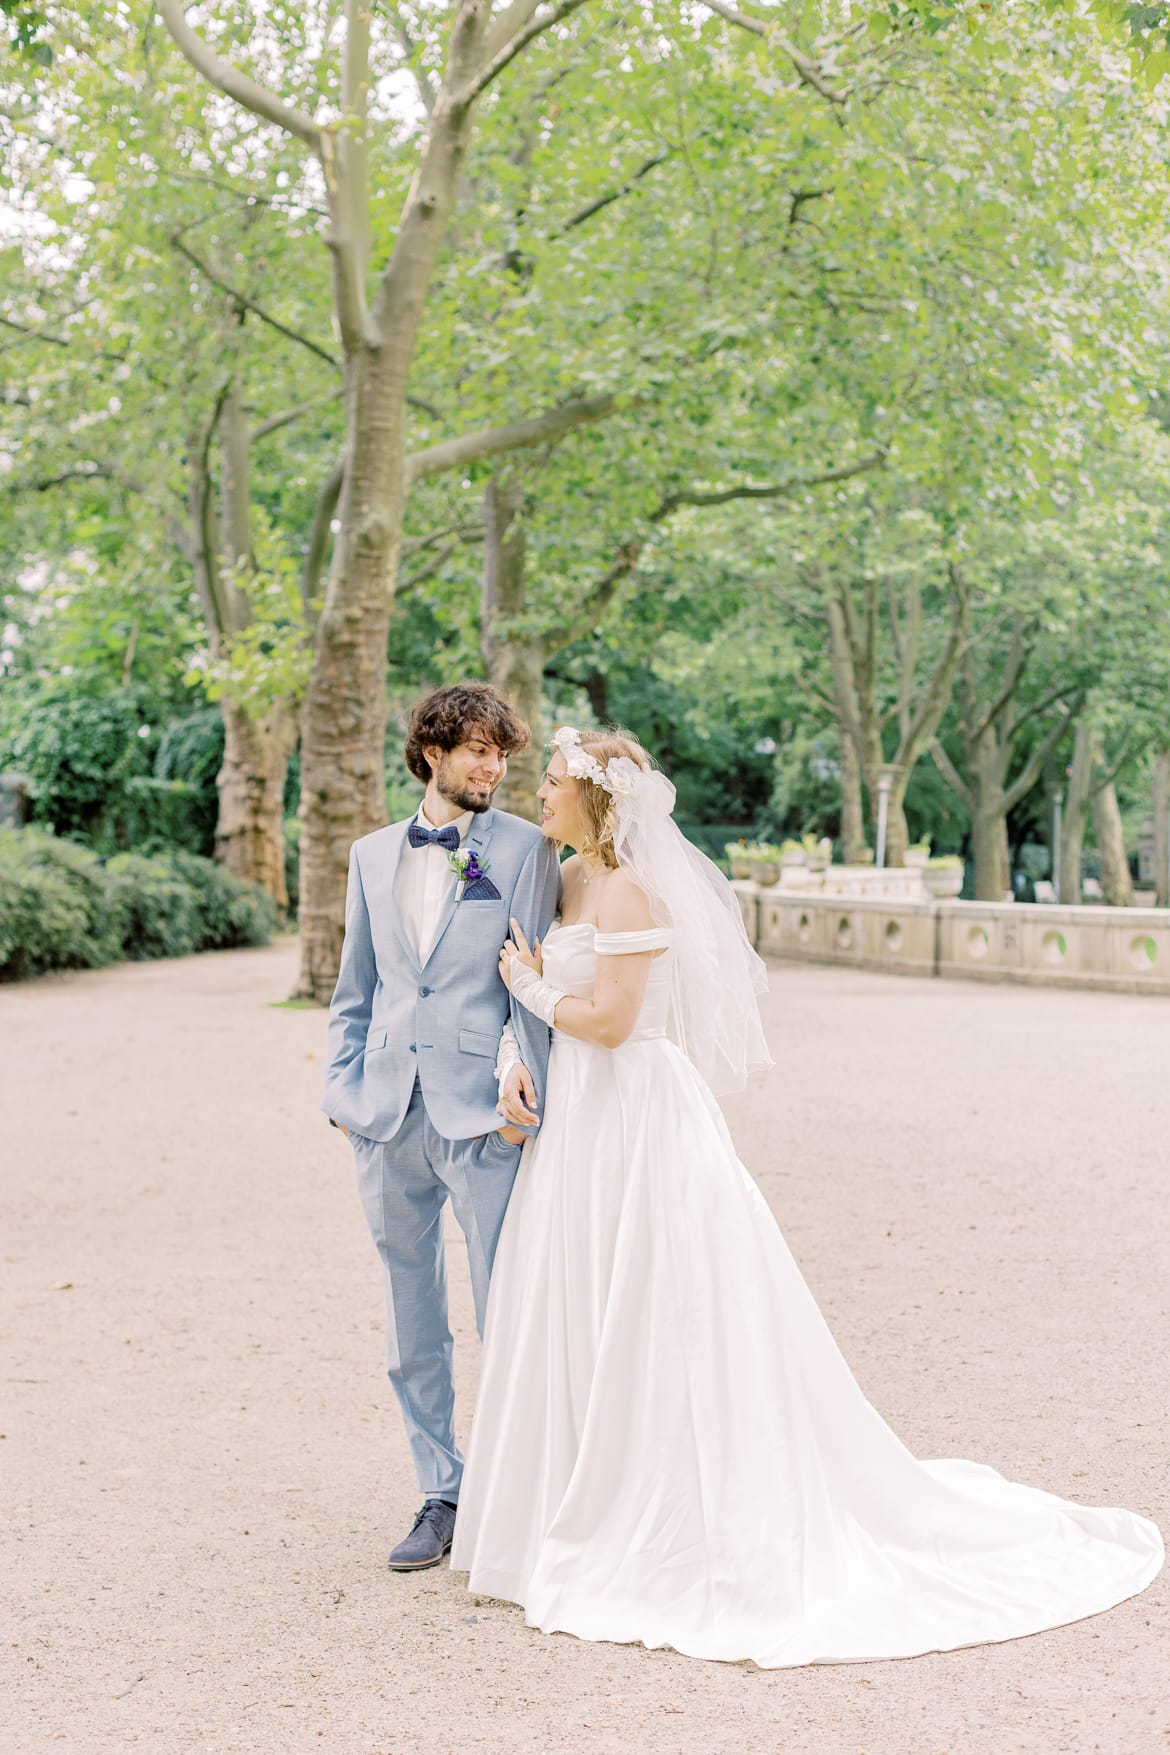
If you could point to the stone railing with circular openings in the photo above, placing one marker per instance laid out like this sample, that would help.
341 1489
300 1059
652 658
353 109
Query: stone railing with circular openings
1126 950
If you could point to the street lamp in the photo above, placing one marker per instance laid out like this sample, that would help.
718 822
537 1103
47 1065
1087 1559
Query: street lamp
1057 807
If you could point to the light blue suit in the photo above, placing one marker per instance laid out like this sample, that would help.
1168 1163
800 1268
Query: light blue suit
412 1052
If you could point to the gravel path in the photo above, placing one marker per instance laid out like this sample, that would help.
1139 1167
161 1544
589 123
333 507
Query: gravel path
202 1465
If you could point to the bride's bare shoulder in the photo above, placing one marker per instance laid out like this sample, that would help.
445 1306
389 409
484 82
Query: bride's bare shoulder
623 905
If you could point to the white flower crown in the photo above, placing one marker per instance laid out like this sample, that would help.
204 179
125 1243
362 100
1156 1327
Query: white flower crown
619 777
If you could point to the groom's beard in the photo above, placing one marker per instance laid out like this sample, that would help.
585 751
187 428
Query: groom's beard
459 793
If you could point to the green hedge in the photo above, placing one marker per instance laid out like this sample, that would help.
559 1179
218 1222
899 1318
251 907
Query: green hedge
63 907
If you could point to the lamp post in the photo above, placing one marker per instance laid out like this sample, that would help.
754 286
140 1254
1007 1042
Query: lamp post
1057 808
885 781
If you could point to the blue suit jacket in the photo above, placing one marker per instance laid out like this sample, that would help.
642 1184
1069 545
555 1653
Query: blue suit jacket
393 1018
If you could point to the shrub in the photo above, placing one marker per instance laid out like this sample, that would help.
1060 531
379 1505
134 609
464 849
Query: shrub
156 910
54 906
229 911
61 907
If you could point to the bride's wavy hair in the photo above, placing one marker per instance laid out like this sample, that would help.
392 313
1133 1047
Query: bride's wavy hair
595 803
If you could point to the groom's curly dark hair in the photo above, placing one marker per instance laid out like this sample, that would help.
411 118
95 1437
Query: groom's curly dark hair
449 716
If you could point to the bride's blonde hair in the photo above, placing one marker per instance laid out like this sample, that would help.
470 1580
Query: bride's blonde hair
595 803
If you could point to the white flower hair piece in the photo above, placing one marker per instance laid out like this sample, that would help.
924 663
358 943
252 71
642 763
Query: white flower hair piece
632 788
578 762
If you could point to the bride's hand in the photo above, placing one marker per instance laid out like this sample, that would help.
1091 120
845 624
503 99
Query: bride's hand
519 952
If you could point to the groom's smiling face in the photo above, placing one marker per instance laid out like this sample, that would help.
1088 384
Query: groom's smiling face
468 775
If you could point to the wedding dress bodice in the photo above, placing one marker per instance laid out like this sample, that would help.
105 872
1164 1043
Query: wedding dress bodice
570 963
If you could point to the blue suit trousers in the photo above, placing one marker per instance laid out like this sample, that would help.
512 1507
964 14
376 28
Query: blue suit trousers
404 1184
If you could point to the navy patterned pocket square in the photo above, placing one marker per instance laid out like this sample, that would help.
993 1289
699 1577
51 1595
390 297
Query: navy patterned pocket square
481 890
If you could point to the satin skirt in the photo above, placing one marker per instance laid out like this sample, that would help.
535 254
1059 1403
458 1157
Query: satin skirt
668 1446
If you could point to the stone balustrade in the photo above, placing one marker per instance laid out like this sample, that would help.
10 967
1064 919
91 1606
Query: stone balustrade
1123 949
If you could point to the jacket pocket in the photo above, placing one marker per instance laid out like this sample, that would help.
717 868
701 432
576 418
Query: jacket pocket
375 1039
477 1042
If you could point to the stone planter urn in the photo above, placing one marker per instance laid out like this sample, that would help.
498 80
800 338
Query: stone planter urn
739 860
943 881
915 858
765 871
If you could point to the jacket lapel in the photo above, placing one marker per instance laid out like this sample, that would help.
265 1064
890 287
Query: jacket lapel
388 875
478 841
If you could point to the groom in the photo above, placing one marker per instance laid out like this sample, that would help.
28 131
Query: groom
414 1030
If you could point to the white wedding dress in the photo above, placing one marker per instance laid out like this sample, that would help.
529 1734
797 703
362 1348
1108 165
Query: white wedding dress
668 1446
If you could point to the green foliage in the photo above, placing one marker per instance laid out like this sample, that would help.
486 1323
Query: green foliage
97 770
63 907
266 660
79 754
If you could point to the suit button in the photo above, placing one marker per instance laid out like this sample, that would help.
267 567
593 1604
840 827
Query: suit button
424 991
413 1050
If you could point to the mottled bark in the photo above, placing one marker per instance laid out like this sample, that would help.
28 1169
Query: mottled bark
249 836
344 715
990 733
514 663
1116 882
854 626
216 540
852 814
1075 817
993 878
1161 803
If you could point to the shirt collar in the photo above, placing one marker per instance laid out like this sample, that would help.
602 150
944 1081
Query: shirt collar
462 823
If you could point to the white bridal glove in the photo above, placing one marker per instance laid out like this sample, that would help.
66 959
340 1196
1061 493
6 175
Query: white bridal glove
509 1054
533 991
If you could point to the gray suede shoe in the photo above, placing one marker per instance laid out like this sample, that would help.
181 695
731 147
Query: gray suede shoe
429 1539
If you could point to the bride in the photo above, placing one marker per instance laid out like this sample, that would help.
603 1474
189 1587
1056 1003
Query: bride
668 1446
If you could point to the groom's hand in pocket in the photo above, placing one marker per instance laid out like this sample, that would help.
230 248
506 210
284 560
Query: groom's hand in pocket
517 1102
511 1136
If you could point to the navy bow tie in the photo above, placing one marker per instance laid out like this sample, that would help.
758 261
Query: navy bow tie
420 837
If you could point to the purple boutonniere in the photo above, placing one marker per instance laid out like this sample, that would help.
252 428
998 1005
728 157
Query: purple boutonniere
471 871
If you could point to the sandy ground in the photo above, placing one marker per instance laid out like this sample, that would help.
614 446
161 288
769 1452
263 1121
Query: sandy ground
202 1464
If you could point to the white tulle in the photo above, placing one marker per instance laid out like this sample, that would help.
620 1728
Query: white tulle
716 975
668 1446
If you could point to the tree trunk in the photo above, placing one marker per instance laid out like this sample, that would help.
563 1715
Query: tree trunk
343 724
1162 827
897 831
514 665
992 864
343 721
249 836
1076 816
344 716
1116 882
852 815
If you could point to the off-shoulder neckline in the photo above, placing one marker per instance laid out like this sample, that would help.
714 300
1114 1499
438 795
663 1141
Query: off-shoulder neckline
598 932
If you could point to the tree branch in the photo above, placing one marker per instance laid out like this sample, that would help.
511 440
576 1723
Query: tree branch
233 83
319 535
244 303
807 70
952 776
287 415
491 441
504 56
721 496
80 472
1034 766
1019 654
40 333
604 201
412 53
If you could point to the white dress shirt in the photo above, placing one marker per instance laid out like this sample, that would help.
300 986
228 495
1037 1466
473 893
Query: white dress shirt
423 883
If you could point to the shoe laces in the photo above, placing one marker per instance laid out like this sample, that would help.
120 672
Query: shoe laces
429 1513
